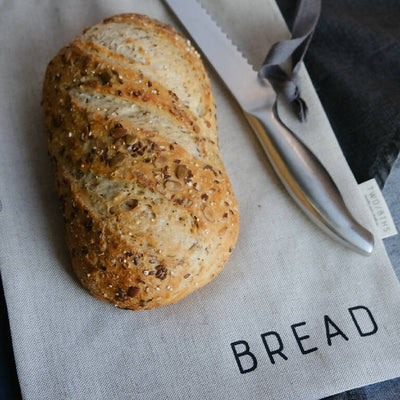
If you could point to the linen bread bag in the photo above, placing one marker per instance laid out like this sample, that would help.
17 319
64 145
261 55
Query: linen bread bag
130 120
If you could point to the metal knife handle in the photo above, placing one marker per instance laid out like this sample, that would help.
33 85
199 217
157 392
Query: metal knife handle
307 180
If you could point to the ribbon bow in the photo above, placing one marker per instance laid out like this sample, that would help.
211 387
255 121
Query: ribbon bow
288 84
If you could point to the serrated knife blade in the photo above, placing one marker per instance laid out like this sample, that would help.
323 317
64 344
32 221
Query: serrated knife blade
300 171
230 65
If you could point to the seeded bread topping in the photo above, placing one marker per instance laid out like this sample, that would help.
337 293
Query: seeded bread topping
149 211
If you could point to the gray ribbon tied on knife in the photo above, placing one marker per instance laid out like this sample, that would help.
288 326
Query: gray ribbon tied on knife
305 21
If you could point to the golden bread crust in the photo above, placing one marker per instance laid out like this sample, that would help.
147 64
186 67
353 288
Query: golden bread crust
149 210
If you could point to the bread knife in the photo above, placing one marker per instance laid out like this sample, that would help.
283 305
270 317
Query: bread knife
302 174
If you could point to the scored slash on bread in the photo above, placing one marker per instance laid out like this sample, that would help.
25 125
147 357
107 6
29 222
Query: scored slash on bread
130 120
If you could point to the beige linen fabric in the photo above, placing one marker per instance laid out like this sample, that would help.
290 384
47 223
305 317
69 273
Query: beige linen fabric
288 288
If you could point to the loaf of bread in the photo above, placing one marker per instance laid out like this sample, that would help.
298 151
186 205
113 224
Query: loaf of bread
130 121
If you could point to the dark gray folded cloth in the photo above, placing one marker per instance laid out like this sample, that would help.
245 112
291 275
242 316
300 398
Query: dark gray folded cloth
353 61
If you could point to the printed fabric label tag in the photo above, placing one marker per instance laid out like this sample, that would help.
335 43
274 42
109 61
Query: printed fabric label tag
379 209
